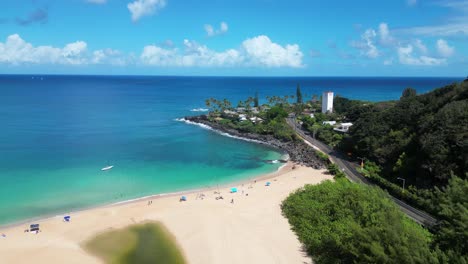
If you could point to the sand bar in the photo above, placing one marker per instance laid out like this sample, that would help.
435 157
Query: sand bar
250 230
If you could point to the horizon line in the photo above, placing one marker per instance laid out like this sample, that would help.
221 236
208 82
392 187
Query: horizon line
225 76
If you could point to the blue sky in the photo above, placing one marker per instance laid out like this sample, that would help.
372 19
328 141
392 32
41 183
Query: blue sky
235 37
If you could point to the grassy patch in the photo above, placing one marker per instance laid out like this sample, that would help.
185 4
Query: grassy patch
144 243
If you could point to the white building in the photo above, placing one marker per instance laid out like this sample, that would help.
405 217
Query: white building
327 102
331 123
343 127
242 117
256 119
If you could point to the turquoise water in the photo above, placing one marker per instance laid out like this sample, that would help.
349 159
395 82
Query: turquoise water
57 132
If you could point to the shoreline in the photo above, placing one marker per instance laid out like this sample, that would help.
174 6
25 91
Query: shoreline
144 198
243 227
297 151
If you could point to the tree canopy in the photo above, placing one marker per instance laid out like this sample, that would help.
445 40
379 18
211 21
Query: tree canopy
342 222
299 94
429 129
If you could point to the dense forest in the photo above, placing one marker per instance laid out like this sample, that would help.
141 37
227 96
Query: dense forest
421 138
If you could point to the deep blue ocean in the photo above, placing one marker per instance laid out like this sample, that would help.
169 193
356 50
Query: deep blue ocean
57 132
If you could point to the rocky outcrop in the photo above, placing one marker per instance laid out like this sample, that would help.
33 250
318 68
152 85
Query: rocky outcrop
298 151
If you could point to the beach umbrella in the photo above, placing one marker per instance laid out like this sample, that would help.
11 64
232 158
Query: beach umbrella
268 184
183 198
233 190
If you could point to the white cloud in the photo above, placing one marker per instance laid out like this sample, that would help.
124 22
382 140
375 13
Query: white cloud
193 55
109 56
211 31
405 55
440 30
258 51
262 51
97 1
388 61
141 8
455 24
154 55
444 49
420 46
16 51
74 53
224 27
255 52
385 36
367 45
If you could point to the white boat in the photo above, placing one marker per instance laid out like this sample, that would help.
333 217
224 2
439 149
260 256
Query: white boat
107 168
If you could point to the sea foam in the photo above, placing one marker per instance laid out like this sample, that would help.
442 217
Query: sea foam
199 110
217 131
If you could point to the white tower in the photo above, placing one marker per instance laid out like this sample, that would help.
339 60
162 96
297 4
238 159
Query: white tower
327 102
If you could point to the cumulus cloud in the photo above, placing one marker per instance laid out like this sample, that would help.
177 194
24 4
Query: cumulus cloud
262 51
444 49
193 54
258 51
211 31
255 52
109 57
16 51
40 16
406 56
141 8
97 1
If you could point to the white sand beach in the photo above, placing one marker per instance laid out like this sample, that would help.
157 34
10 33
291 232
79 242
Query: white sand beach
250 230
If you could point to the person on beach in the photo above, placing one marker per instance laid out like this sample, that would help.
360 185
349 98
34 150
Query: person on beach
232 200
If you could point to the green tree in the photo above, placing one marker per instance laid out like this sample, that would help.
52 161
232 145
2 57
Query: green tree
208 103
276 112
408 92
452 232
298 94
256 99
342 222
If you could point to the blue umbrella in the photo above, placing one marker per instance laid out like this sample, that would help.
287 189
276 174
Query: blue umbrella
233 190
268 184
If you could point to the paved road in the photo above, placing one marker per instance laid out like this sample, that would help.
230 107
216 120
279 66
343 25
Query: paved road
349 168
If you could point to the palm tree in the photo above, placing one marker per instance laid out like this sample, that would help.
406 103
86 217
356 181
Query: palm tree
315 129
226 104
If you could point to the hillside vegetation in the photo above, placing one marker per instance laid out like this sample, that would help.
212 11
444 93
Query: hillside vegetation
421 138
342 222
